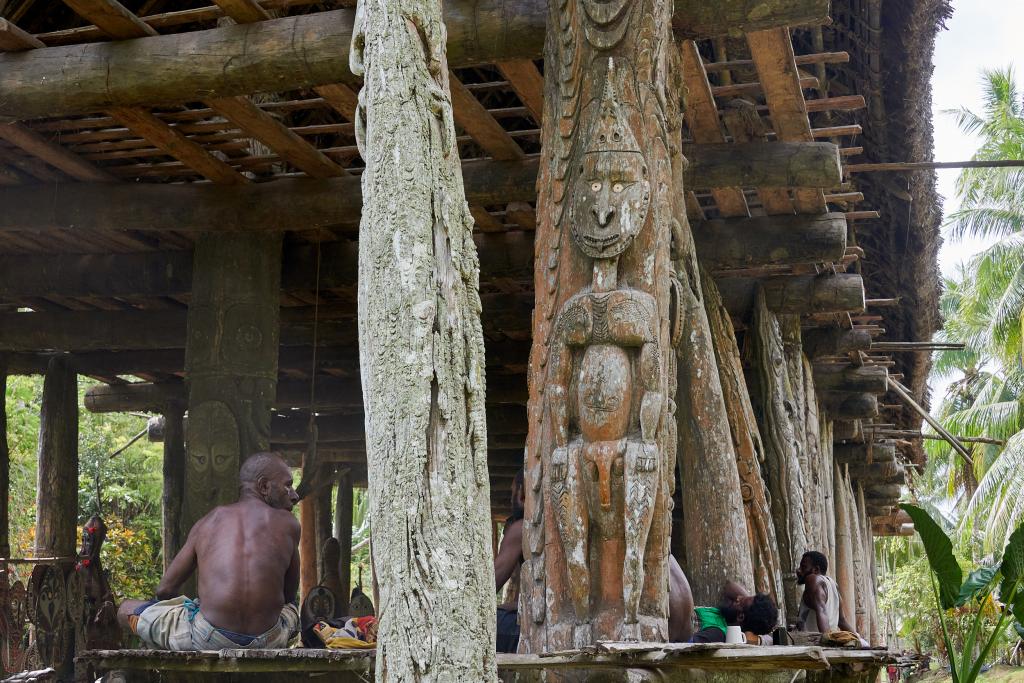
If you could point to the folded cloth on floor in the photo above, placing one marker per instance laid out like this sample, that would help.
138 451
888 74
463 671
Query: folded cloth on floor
359 633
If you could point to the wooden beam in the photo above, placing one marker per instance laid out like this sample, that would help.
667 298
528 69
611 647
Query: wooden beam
867 378
300 51
174 143
705 127
300 204
763 164
243 11
55 155
835 342
721 245
843 406
292 204
528 82
111 17
474 118
795 294
14 39
772 52
695 18
878 451
733 243
287 144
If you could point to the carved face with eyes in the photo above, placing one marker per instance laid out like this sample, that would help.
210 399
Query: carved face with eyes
610 203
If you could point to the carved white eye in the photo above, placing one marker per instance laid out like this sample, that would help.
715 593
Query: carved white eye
595 187
617 187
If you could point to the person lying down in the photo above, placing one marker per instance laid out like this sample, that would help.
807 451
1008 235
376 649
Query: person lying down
247 558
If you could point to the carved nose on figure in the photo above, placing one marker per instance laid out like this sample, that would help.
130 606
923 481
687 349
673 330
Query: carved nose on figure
603 214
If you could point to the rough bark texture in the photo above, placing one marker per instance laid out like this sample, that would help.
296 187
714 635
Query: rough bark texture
422 357
601 446
746 438
861 566
174 480
843 561
57 480
230 364
782 430
828 491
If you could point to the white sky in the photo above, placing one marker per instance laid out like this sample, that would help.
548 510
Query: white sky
983 34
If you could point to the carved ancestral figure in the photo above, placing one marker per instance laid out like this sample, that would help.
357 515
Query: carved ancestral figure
101 629
606 390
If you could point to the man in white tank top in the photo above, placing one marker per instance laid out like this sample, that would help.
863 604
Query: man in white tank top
820 606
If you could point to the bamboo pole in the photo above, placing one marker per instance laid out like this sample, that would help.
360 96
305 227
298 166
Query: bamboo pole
930 165
904 394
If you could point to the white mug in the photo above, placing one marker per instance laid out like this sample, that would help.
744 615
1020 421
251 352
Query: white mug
734 634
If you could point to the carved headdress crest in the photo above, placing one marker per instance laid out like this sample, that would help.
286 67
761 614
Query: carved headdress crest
612 191
612 132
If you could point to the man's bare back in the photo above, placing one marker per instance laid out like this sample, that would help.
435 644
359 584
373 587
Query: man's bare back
246 553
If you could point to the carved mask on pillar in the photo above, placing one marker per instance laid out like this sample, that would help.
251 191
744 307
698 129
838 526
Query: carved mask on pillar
612 192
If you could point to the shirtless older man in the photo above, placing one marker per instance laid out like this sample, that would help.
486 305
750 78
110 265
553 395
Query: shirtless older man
247 554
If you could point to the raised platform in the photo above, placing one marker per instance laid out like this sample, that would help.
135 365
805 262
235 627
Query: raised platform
665 661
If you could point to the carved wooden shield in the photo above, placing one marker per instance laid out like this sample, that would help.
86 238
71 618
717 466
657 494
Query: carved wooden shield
76 608
13 631
50 613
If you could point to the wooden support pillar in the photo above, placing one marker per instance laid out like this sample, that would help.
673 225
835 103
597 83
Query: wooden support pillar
308 577
57 481
603 364
230 363
174 480
343 532
5 466
843 562
783 438
324 517
746 439
861 570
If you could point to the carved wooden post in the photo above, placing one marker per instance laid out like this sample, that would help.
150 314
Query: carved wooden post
828 485
421 356
783 436
57 480
230 363
343 532
5 466
844 541
174 480
601 447
862 567
746 439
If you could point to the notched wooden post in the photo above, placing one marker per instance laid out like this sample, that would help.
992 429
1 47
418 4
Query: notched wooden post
421 357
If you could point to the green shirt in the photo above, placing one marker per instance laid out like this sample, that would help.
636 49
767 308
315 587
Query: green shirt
710 617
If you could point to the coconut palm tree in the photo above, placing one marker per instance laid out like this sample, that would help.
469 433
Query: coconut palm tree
983 306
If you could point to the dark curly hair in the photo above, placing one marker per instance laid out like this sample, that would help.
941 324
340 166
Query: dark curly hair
762 616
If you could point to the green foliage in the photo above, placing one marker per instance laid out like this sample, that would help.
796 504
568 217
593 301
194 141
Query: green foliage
939 550
125 489
967 656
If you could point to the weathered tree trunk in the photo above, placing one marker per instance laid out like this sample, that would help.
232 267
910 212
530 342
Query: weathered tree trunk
421 357
324 514
174 480
814 501
876 637
746 440
828 487
783 439
601 446
57 480
230 363
862 566
343 532
843 560
5 467
712 495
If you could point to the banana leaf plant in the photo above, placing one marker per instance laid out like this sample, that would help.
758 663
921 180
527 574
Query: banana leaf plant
981 585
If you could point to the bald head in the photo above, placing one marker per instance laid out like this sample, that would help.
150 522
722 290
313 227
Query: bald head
266 476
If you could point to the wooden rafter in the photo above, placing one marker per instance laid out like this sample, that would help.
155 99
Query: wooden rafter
772 53
474 118
702 116
528 82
